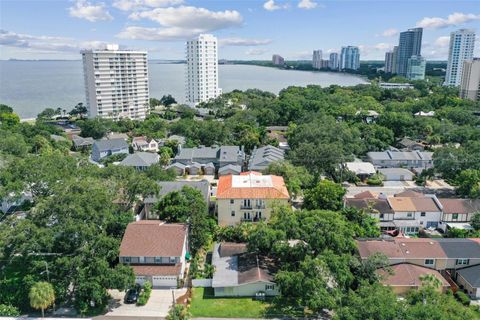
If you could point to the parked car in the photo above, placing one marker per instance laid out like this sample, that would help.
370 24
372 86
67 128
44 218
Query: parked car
132 295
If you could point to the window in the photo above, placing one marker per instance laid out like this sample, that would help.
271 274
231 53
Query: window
409 215
126 259
233 213
232 201
269 287
381 215
173 259
455 216
422 214
158 259
462 262
429 262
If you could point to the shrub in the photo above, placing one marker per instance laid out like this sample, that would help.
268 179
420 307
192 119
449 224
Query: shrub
8 311
145 294
179 312
462 298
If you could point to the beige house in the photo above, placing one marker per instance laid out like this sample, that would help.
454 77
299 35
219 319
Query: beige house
249 196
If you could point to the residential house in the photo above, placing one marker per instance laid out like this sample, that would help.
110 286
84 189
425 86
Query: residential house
279 133
368 116
437 253
179 140
408 144
241 274
116 135
141 160
406 277
249 196
458 212
262 157
396 174
169 186
398 159
362 170
219 156
80 143
156 252
105 148
194 169
144 144
229 169
469 280
178 167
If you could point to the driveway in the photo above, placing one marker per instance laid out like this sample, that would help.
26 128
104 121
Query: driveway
157 306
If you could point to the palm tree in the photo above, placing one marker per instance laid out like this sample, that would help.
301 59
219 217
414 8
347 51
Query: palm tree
41 296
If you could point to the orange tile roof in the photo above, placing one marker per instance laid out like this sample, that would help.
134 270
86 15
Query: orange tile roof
277 190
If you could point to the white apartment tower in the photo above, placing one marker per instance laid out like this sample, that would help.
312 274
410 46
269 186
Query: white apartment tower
317 59
470 84
116 83
202 69
462 43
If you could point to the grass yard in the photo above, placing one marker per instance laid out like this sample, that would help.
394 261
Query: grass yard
204 305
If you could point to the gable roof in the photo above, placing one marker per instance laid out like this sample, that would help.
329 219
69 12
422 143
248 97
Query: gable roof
230 167
112 144
378 205
471 275
459 205
81 141
360 167
153 238
140 159
262 157
222 154
366 195
252 185
406 274
409 204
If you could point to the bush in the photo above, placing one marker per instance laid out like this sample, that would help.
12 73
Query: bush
375 180
179 312
462 297
145 294
8 311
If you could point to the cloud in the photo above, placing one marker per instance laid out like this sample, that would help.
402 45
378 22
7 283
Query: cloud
307 4
256 51
46 43
375 51
390 32
270 5
442 42
180 23
243 42
453 19
86 10
128 5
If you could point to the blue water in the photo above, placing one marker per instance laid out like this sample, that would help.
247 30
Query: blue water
31 86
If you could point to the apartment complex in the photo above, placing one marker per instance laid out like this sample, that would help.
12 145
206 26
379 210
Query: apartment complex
278 60
416 68
410 44
391 60
333 62
397 159
202 69
317 59
470 84
462 43
116 83
249 196
350 58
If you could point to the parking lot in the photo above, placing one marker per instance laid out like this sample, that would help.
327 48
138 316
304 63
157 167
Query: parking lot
157 306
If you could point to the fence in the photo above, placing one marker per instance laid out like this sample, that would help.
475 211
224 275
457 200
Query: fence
204 283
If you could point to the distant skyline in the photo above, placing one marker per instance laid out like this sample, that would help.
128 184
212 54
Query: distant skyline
37 29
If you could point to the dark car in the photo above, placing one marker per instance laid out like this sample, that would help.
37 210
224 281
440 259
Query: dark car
132 295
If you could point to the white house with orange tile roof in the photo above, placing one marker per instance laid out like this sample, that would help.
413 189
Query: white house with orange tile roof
249 196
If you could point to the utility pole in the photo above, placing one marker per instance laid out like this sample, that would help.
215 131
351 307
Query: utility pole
173 305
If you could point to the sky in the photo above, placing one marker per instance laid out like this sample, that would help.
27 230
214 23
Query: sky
247 29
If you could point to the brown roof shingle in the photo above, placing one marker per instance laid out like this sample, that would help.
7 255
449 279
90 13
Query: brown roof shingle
405 274
153 238
152 270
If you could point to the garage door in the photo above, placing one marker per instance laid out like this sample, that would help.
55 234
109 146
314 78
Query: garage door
140 280
164 281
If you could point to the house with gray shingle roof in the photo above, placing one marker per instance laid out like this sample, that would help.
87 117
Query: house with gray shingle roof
469 279
105 148
229 169
219 156
140 160
262 157
81 142
399 159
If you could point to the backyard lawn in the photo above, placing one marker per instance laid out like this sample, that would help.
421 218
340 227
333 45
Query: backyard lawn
205 305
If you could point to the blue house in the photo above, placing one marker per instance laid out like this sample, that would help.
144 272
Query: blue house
105 148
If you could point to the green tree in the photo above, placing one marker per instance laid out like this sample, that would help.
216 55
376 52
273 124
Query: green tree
5 109
476 221
326 195
168 100
95 128
79 110
178 312
9 119
48 113
296 178
469 183
41 296
8 311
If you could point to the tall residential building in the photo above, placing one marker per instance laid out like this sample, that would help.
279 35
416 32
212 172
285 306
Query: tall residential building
410 44
350 58
470 84
391 60
202 69
462 43
317 59
116 83
333 62
278 60
416 68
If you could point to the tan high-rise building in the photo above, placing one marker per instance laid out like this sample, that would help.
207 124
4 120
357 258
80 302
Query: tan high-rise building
470 84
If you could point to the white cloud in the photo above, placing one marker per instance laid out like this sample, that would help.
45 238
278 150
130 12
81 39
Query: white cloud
91 12
453 19
46 43
390 32
243 42
270 5
307 4
180 23
442 42
128 5
375 51
256 51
